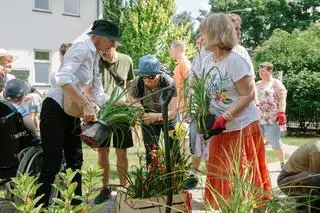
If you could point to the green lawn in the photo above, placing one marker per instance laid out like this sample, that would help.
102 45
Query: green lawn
91 156
298 141
293 141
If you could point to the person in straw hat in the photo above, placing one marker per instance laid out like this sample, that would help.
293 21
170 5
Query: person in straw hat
6 60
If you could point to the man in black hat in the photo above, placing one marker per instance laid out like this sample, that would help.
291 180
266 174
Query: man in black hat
116 69
78 78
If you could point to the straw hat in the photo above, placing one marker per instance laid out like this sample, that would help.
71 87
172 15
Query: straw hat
4 52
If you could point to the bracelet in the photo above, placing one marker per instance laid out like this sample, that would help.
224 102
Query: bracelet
227 115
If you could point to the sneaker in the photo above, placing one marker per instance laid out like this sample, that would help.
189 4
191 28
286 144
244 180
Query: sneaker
104 195
191 182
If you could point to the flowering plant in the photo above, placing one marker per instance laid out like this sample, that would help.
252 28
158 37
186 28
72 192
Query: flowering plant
151 180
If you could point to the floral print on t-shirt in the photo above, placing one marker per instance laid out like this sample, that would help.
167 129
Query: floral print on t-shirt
217 87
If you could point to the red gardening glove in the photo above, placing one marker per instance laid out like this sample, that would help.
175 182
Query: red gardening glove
220 122
281 118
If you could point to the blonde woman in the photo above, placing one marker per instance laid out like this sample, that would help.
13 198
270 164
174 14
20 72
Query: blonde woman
231 90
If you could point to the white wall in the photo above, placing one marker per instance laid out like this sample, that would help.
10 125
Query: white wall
23 29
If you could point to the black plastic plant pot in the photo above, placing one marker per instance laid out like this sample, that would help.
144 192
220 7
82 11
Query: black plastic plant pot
94 134
204 124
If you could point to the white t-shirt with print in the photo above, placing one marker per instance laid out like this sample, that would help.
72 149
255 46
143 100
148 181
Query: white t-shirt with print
223 93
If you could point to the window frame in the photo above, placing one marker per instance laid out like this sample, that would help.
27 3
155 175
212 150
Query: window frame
72 14
40 9
42 61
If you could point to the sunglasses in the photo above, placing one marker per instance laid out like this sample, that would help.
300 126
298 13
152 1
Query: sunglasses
151 77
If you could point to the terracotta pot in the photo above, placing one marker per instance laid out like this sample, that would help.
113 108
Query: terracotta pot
180 203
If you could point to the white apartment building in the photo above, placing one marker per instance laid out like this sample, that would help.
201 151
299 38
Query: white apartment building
34 29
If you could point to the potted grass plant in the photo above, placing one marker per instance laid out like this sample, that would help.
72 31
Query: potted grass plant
115 114
197 96
147 185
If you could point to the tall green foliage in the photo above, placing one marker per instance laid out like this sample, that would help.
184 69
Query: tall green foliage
267 15
292 52
113 10
148 28
303 100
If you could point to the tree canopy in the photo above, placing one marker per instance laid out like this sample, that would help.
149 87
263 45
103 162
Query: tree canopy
291 52
267 15
148 27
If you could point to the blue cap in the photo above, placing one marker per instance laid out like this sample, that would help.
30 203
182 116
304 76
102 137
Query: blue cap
148 65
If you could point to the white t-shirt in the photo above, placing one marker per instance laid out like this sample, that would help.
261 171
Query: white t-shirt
223 93
245 55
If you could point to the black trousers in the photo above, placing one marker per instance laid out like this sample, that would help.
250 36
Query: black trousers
60 135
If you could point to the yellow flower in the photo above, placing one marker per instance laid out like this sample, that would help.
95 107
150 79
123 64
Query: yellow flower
181 130
171 133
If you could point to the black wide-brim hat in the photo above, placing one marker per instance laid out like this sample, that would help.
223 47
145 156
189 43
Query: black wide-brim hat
107 29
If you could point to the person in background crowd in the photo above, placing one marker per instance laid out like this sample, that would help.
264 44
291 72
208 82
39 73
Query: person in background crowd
6 60
15 92
231 91
2 84
117 71
272 96
300 176
236 19
198 146
62 51
34 100
180 73
150 80
78 77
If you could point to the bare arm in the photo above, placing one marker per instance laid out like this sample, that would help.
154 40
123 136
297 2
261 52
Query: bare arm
29 124
88 111
246 89
172 108
281 93
153 117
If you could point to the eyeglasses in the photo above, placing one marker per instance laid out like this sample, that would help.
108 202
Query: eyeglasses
151 77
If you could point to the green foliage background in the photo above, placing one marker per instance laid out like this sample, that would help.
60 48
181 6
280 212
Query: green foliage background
267 15
291 52
148 28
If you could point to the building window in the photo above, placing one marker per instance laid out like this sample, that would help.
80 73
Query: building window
42 5
41 66
21 74
71 7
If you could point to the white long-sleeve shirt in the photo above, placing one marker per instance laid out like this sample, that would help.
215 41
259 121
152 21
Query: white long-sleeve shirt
80 67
